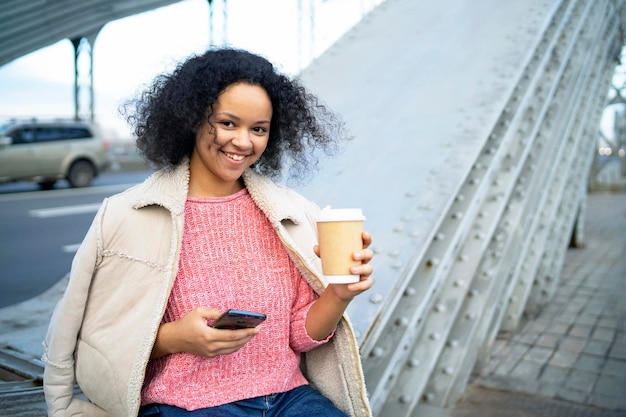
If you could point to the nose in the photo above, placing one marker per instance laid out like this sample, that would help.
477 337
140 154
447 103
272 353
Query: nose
242 139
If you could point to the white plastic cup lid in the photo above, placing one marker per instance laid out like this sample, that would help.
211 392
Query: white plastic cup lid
334 215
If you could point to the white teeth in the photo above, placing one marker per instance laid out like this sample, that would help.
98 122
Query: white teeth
234 157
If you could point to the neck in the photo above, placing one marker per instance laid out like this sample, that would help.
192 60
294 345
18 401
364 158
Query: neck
204 188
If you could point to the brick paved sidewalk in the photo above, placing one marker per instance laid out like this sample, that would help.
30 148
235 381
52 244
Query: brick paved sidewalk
570 360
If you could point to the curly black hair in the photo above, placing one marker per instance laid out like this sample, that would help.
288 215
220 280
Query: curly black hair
165 116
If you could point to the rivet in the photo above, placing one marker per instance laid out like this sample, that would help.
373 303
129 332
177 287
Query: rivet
452 343
440 236
428 397
448 370
439 308
433 262
457 215
410 291
414 362
376 299
377 352
404 399
463 258
402 322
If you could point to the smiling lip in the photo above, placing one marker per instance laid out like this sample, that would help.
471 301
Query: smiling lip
234 156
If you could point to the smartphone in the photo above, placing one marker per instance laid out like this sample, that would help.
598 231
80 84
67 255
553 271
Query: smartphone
238 319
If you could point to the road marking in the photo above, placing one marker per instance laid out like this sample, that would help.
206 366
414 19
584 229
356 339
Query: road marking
71 248
64 192
64 211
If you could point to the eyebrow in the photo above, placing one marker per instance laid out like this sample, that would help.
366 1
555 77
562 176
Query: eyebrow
225 113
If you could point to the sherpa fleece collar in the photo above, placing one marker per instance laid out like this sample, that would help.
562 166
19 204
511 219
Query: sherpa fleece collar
168 187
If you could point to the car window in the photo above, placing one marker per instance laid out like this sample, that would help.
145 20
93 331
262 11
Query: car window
31 134
48 134
25 135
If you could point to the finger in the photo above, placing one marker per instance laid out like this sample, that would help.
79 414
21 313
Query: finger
208 313
235 336
362 270
367 239
364 256
363 285
228 346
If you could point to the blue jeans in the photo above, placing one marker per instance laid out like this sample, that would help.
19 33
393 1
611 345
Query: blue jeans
302 401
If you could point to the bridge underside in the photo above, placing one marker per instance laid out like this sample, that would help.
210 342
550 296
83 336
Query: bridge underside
27 26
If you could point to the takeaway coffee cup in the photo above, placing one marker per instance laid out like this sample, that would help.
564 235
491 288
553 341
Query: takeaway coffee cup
339 233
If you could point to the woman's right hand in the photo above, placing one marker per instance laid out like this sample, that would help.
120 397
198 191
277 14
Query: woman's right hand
192 334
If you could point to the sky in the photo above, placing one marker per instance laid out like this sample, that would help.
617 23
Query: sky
129 52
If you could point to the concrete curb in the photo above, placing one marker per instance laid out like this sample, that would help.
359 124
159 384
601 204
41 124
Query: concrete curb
23 326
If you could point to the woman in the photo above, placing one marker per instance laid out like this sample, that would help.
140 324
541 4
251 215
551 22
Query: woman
210 231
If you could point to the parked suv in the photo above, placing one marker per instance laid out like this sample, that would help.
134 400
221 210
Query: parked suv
44 152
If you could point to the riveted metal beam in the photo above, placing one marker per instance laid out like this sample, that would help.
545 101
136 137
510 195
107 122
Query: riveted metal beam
467 249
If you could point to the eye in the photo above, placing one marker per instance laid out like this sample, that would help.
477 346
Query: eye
259 129
227 123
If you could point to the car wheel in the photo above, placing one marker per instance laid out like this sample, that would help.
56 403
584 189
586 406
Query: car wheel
81 174
47 184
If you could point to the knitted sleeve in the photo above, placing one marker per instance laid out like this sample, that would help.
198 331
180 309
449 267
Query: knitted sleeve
300 340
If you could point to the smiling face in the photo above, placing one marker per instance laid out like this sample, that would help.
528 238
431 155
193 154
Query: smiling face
233 138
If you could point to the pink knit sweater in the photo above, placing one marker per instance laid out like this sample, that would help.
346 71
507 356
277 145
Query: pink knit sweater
231 257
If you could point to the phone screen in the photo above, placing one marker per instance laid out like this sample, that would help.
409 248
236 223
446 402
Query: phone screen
238 319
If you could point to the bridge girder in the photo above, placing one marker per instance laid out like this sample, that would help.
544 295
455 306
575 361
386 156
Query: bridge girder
27 26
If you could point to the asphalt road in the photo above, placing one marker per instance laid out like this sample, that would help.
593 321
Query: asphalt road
41 230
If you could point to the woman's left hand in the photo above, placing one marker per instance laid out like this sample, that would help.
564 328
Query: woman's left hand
349 291
327 310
